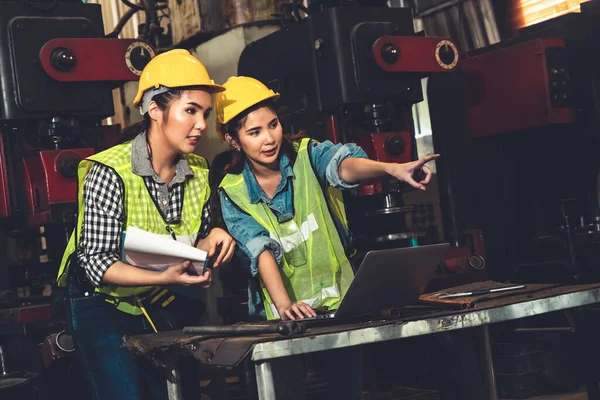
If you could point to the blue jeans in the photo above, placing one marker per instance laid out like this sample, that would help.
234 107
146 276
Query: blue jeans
113 372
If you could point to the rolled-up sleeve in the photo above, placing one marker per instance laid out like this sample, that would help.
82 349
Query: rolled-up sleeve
103 220
251 237
326 158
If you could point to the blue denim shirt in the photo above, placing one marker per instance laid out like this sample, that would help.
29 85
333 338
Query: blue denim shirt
251 237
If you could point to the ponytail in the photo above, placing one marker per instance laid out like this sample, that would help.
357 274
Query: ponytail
132 131
163 101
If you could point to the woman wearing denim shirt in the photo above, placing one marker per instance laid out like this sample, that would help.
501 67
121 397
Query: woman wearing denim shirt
277 202
253 238
247 119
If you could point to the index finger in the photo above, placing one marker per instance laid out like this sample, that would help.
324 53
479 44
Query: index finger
298 311
428 174
289 314
413 183
426 159
230 252
308 310
222 252
219 253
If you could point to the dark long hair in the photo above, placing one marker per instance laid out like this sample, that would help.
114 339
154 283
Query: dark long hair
163 101
236 165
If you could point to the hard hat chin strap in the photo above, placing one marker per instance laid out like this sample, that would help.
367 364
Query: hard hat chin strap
149 95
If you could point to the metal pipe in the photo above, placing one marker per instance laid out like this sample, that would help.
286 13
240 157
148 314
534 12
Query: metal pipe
439 7
487 363
132 5
489 21
265 383
173 379
122 22
3 368
287 328
570 243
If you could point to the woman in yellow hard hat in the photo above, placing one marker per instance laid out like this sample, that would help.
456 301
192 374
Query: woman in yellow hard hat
276 202
151 181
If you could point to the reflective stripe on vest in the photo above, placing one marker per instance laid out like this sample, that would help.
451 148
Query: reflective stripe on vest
141 212
314 267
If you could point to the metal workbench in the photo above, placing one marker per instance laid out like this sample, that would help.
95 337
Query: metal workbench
477 313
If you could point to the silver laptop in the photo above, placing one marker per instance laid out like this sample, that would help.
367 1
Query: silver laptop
387 279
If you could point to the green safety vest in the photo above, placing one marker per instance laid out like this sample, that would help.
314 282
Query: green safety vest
314 266
140 212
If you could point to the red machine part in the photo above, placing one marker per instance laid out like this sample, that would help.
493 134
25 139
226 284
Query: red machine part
415 54
386 146
56 346
471 257
380 146
87 60
51 178
371 187
509 89
462 265
25 315
333 129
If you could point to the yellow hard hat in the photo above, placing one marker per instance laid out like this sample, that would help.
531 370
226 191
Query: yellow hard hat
241 93
173 69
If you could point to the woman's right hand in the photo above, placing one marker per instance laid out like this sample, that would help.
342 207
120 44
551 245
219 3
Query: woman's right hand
298 310
178 274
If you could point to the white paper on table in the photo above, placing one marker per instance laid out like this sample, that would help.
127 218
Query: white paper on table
158 252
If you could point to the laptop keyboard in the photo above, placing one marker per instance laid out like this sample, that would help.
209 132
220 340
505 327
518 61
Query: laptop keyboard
317 318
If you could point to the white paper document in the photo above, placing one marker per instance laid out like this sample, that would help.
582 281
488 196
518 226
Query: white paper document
158 252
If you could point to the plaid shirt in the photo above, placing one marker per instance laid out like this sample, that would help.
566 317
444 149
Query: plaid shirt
104 216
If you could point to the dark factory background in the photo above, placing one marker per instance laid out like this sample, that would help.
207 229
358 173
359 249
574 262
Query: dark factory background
506 91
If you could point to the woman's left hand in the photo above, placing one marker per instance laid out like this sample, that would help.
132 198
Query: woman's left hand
404 172
218 238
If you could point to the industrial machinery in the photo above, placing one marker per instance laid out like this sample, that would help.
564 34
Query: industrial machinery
57 73
518 127
351 74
